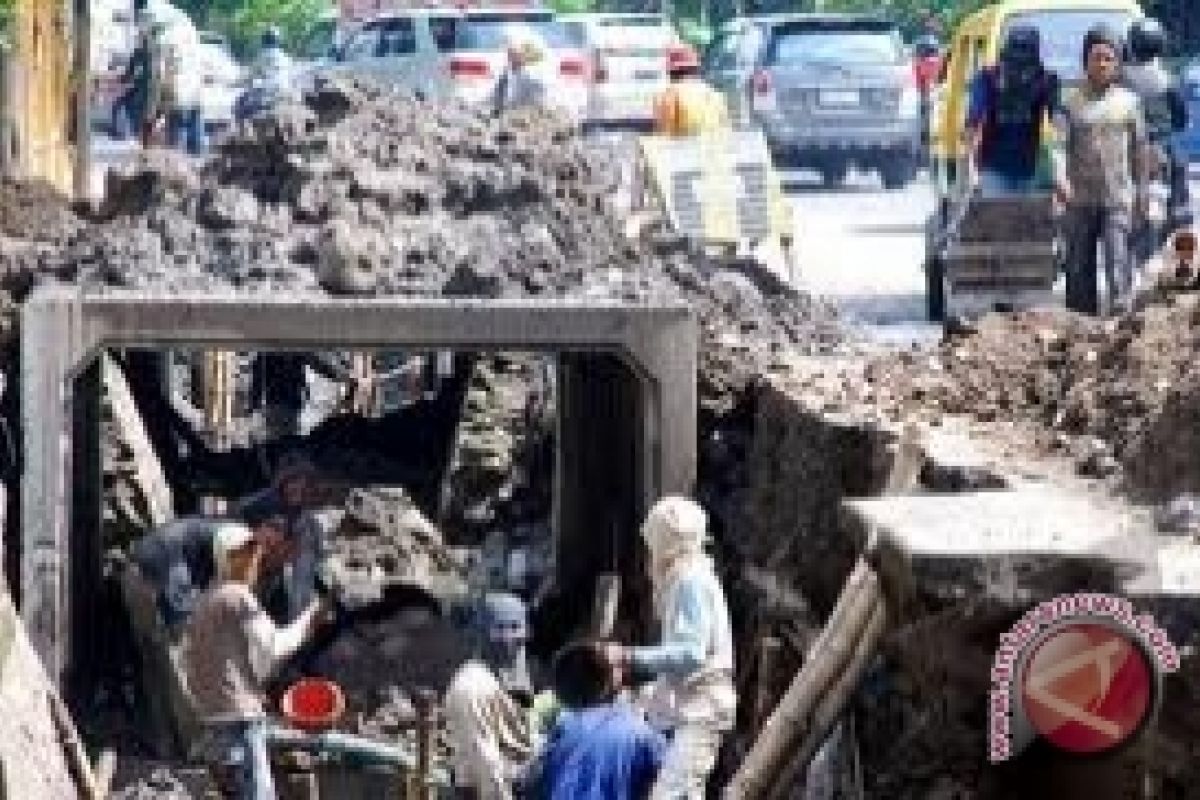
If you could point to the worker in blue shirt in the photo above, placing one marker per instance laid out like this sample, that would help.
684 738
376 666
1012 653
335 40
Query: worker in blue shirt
1009 105
600 747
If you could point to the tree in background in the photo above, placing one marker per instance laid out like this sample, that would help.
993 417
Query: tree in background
243 21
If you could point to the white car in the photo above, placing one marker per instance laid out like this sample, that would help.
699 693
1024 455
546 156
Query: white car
221 78
629 57
480 57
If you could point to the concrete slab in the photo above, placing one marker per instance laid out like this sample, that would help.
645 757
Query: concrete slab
1026 544
65 328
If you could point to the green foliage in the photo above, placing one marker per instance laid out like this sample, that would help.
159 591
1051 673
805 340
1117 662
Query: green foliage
243 21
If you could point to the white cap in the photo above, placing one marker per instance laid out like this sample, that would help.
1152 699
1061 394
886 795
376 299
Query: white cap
228 537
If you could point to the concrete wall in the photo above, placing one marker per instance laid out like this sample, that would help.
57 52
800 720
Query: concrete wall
631 376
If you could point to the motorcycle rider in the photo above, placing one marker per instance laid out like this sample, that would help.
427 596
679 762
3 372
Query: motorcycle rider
1164 107
273 64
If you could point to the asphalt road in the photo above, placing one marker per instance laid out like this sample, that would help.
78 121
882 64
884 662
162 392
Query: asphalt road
863 247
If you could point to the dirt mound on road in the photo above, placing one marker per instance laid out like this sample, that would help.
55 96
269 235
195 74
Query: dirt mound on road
1120 396
364 191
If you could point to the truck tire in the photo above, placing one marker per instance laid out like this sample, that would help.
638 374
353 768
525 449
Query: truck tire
935 289
899 174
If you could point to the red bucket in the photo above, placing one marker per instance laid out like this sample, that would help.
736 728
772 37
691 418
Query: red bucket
313 704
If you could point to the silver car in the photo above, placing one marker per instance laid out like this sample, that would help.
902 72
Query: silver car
407 49
829 92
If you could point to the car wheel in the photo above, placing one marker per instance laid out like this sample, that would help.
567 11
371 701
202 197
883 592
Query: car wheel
935 289
834 177
898 175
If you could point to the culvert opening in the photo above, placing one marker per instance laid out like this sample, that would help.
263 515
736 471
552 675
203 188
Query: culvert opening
622 405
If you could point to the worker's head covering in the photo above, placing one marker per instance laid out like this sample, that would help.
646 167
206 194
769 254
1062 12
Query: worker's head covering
1101 35
682 62
228 538
675 532
502 631
1022 46
523 48
294 466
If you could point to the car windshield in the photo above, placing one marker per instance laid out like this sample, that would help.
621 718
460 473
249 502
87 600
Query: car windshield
1062 35
496 32
836 46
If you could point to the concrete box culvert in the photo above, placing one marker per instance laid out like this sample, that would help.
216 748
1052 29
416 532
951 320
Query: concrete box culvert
626 416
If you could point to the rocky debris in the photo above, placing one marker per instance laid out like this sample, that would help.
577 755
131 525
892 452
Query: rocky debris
1116 396
365 191
503 453
162 783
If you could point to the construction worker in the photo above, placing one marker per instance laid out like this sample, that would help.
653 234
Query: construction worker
231 649
176 558
292 533
1009 105
1164 106
693 699
1101 174
689 106
490 730
600 748
143 76
519 86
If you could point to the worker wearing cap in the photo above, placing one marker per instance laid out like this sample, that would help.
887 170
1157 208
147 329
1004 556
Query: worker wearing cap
518 86
232 648
693 699
490 731
689 106
295 540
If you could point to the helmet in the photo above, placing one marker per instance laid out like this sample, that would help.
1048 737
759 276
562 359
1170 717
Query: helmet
682 61
1023 45
928 46
1147 40
272 38
1100 34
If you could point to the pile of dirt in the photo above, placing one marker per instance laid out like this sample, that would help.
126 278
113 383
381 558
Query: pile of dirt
366 191
1118 396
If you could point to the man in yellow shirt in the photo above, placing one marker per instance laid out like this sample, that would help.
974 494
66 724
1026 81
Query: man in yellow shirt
689 106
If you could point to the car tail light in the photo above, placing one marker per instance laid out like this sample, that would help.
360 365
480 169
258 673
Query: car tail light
469 68
760 83
572 68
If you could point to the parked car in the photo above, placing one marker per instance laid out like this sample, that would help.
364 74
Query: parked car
403 48
628 55
480 55
829 91
1190 140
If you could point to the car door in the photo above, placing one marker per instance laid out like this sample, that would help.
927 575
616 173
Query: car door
396 56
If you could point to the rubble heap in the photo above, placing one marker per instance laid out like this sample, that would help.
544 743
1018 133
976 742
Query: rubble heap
367 191
1118 396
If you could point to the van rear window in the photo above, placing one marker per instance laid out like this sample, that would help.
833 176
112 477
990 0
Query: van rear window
495 33
833 46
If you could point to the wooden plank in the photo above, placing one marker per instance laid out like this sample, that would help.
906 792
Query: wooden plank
148 471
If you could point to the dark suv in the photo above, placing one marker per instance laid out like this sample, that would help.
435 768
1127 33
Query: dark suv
829 91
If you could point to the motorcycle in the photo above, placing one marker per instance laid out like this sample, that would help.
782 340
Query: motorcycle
260 96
